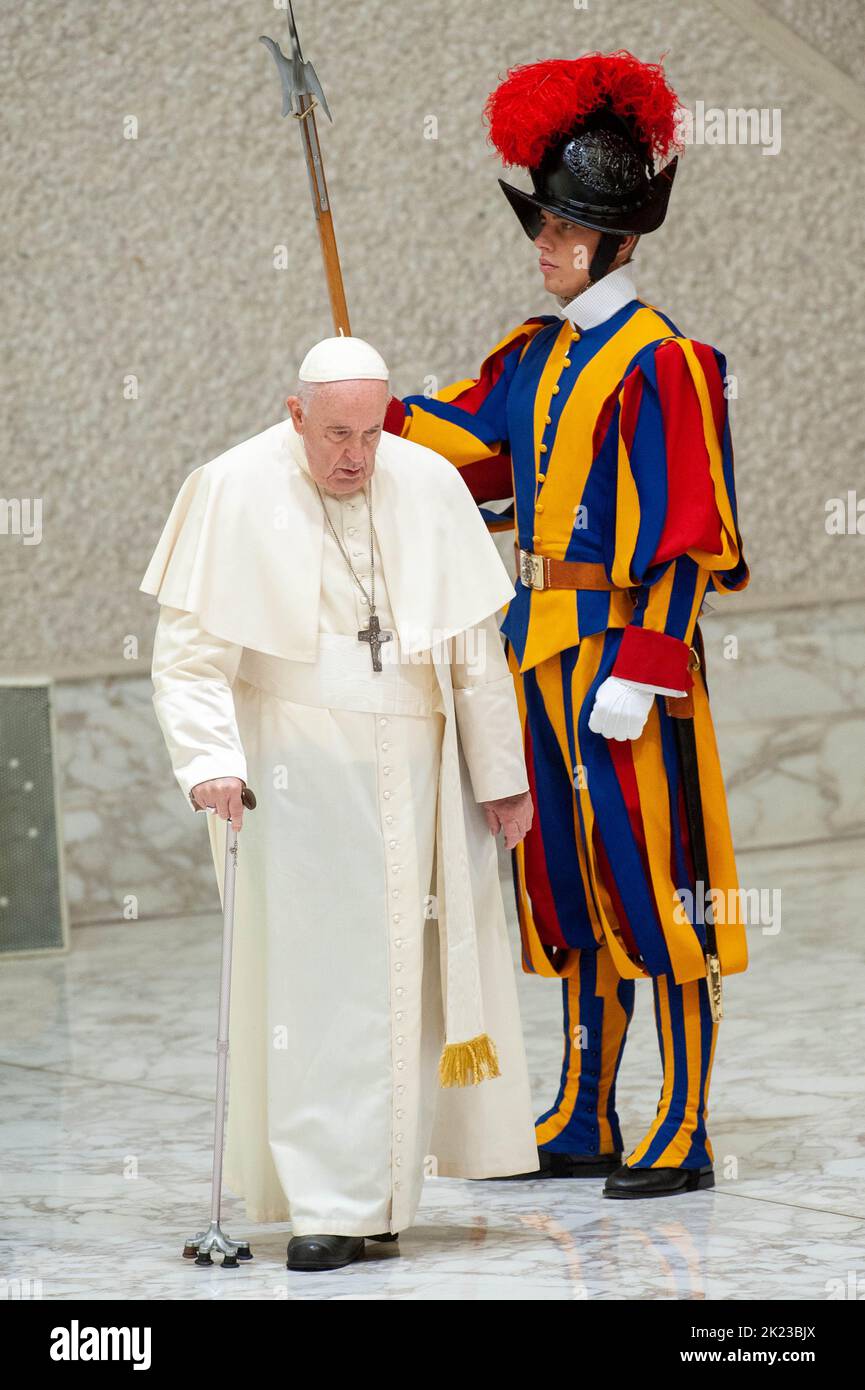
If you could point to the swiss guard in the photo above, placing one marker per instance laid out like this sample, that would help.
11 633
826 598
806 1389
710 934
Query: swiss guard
600 435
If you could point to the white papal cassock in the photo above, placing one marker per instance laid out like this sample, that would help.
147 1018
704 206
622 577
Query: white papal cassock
367 839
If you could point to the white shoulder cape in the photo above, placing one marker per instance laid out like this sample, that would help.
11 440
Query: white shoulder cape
242 547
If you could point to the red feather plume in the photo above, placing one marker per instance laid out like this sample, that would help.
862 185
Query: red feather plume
538 102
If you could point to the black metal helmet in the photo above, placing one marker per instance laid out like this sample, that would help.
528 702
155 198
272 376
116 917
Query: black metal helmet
589 132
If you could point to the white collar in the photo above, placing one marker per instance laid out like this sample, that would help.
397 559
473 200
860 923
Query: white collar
601 300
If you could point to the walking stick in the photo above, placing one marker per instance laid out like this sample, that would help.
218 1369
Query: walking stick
199 1246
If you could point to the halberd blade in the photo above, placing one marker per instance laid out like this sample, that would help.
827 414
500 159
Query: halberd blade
297 77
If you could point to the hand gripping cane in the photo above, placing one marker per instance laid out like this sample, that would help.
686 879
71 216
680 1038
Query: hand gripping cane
199 1246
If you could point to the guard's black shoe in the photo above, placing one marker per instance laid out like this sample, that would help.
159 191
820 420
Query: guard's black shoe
386 1237
657 1182
553 1165
322 1252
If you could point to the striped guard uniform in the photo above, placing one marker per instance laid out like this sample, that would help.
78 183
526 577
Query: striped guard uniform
601 434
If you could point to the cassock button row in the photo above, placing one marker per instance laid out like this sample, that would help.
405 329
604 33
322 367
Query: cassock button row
399 1138
398 1159
382 721
400 1064
399 1090
398 965
400 1040
394 893
399 1114
397 916
399 1016
385 747
398 942
389 820
386 771
399 990
386 796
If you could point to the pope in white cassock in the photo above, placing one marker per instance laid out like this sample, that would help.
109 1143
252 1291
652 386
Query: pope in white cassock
328 632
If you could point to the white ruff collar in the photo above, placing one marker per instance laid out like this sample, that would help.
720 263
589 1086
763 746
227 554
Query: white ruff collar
601 300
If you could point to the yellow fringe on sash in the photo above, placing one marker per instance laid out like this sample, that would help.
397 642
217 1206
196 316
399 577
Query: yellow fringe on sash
467 1063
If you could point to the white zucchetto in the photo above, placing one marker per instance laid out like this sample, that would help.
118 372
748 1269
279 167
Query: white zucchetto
343 359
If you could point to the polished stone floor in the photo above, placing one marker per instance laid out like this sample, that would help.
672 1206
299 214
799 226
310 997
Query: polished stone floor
106 1066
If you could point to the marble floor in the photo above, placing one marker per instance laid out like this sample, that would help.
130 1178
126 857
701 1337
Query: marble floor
106 1074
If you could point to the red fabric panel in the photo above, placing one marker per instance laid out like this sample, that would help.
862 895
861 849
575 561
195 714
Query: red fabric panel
622 758
606 873
474 396
537 878
394 416
692 518
603 421
632 394
653 657
489 480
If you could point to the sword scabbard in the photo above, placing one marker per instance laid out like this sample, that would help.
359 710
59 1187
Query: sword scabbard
714 980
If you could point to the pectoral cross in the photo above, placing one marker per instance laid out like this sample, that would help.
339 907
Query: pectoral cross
374 635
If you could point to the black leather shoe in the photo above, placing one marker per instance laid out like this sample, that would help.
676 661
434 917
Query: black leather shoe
386 1237
657 1182
322 1252
553 1165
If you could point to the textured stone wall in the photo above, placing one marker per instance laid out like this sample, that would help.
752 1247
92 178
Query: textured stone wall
153 258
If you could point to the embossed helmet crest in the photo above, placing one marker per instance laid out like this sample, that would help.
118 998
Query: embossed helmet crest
590 131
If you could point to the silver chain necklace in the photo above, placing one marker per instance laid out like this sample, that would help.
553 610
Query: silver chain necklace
373 633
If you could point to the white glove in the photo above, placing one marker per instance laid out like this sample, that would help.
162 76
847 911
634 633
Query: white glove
621 709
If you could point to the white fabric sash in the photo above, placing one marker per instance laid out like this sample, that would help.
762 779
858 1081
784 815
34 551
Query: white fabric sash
343 678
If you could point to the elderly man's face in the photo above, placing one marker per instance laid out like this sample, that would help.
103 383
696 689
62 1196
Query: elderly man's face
341 427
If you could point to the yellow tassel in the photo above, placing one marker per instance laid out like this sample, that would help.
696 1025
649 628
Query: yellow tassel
467 1063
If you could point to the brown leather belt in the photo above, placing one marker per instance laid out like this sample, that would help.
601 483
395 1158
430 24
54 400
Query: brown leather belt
542 572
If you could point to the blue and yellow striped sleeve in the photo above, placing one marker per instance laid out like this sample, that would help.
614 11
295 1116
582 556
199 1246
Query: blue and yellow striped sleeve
676 521
467 423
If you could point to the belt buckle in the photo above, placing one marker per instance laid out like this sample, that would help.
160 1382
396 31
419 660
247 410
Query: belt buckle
532 569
